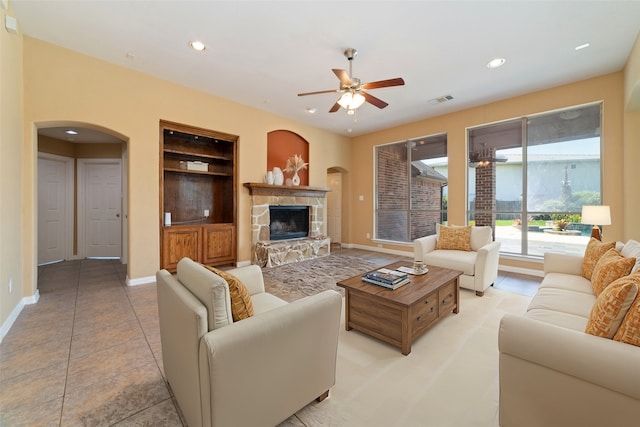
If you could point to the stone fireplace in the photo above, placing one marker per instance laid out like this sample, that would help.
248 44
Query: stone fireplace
286 204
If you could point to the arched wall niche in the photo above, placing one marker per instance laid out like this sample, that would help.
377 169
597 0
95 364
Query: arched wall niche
282 144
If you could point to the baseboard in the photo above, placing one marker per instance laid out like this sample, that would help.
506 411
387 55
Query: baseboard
6 326
140 280
377 249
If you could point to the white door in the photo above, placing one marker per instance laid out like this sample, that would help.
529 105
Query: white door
334 207
102 209
53 212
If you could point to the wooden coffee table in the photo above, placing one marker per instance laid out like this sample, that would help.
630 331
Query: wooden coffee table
400 316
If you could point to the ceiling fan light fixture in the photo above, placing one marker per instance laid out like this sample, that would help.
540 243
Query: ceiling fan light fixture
351 101
197 45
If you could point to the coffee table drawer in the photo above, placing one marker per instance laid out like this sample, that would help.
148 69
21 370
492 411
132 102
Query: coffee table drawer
424 313
447 298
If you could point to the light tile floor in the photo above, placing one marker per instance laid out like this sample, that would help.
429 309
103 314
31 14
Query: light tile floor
88 353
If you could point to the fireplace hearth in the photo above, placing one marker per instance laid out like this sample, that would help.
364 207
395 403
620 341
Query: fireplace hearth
288 222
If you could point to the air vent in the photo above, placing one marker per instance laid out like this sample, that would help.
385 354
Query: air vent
440 99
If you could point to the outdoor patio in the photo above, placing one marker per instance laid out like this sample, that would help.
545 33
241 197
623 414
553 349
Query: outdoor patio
540 242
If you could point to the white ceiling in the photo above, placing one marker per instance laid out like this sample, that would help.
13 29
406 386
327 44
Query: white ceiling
263 53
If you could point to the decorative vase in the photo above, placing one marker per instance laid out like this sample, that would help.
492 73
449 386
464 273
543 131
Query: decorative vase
269 178
278 176
296 179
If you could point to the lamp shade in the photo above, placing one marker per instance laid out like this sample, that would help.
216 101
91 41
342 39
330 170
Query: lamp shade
596 215
351 101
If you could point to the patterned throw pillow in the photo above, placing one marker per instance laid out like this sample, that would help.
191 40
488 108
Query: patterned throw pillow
241 304
610 267
455 238
629 330
611 307
595 249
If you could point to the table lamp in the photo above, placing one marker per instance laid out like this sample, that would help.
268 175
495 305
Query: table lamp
596 215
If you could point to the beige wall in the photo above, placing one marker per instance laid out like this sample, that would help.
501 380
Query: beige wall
67 86
11 172
632 142
608 89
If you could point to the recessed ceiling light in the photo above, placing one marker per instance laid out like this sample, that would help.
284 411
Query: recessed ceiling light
311 110
71 132
495 63
582 46
197 45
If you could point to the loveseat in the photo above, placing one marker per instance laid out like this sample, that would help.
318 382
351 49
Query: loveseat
257 371
554 373
467 249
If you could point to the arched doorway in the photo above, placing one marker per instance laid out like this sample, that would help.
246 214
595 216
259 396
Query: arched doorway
81 192
335 181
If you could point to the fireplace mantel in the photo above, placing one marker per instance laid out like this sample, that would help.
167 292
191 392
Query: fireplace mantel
259 189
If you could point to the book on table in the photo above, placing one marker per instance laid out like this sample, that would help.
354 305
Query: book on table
386 285
388 278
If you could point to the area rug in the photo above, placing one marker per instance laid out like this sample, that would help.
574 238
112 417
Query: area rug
296 280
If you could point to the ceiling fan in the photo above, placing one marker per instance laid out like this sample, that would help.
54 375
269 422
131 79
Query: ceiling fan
353 91
484 157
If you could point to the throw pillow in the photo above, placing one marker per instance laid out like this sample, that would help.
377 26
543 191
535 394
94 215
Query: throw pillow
610 267
629 330
611 307
454 238
241 304
631 249
595 249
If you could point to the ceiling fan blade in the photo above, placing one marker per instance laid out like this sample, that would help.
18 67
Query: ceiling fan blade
345 80
320 91
373 100
335 108
384 83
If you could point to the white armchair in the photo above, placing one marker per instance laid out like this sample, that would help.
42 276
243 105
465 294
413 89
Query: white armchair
479 266
252 372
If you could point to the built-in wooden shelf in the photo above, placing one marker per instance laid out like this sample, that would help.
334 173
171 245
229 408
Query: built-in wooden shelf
261 189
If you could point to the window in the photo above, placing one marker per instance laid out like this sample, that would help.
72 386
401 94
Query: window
411 188
528 178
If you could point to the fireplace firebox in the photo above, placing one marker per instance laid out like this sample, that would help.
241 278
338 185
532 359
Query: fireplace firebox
288 222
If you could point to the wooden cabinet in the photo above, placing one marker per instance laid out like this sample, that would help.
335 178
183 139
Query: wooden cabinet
198 190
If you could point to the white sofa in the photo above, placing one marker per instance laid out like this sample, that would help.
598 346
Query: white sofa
479 266
552 373
253 372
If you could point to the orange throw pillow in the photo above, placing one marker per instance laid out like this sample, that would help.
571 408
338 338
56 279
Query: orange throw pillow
454 238
241 304
610 267
595 249
611 307
629 330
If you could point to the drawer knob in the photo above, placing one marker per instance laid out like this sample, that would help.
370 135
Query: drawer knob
419 318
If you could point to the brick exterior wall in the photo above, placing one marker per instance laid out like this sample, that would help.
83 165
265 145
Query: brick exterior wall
393 194
486 194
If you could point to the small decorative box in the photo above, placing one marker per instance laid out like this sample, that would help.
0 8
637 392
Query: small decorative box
198 166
